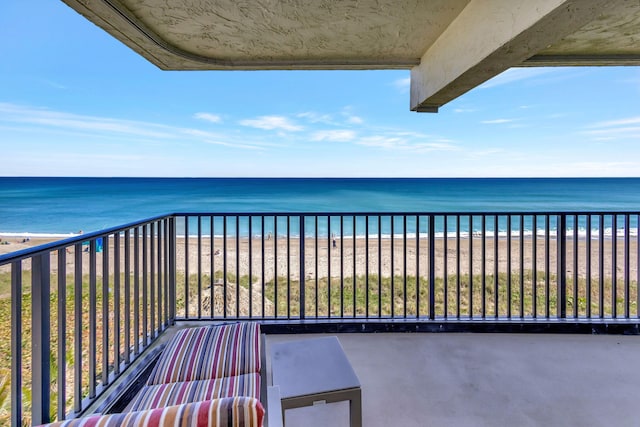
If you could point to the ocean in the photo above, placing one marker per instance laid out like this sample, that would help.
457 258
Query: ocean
60 207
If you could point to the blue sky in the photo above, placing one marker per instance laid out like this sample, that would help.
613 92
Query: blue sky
76 102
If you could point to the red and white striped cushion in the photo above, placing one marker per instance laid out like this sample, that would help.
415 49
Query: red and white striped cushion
226 412
161 395
209 352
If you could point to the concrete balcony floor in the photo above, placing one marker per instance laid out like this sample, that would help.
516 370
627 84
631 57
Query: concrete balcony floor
422 379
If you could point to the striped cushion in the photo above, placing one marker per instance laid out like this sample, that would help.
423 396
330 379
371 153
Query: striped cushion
227 412
209 352
160 395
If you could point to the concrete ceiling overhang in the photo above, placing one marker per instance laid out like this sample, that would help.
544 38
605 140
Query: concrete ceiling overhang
450 46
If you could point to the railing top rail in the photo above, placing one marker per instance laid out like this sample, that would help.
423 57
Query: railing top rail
408 213
60 244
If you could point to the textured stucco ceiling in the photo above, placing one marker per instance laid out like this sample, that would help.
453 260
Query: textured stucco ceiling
470 40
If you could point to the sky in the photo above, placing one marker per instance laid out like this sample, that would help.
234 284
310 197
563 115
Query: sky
76 102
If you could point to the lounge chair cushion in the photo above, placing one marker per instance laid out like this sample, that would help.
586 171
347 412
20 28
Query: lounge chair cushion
161 395
227 412
209 352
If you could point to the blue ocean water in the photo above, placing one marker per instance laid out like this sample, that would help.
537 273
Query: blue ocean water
62 206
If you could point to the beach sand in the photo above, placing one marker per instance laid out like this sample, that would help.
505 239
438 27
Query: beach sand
275 257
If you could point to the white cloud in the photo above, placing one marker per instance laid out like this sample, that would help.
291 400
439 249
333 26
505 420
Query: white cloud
213 118
397 143
334 135
463 110
619 122
271 123
355 120
497 121
609 130
513 75
403 84
314 117
76 122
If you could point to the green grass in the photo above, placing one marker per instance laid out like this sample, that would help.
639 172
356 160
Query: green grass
352 297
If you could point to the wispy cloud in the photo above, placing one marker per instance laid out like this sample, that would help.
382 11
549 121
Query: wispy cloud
514 75
337 135
272 123
213 118
25 118
497 121
625 128
619 122
394 142
463 110
314 117
402 85
70 121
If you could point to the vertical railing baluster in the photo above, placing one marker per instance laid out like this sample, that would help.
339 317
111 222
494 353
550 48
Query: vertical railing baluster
509 301
432 268
588 265
200 267
366 265
16 344
562 265
601 266
275 265
250 219
445 263
77 333
40 339
136 291
417 266
316 238
483 236
534 267
379 260
614 266
263 265
329 256
116 304
224 268
404 266
62 334
355 281
288 267
186 269
167 278
152 280
105 310
470 266
627 261
127 296
393 270
575 266
212 264
496 281
521 266
547 267
342 293
379 267
92 318
302 280
458 271
145 283
238 266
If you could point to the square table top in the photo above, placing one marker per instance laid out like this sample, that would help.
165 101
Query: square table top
311 366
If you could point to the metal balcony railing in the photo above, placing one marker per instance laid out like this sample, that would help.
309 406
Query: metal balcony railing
83 310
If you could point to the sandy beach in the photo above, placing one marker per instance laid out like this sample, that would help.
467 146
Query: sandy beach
382 256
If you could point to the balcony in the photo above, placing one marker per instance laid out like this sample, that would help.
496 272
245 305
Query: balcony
86 311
